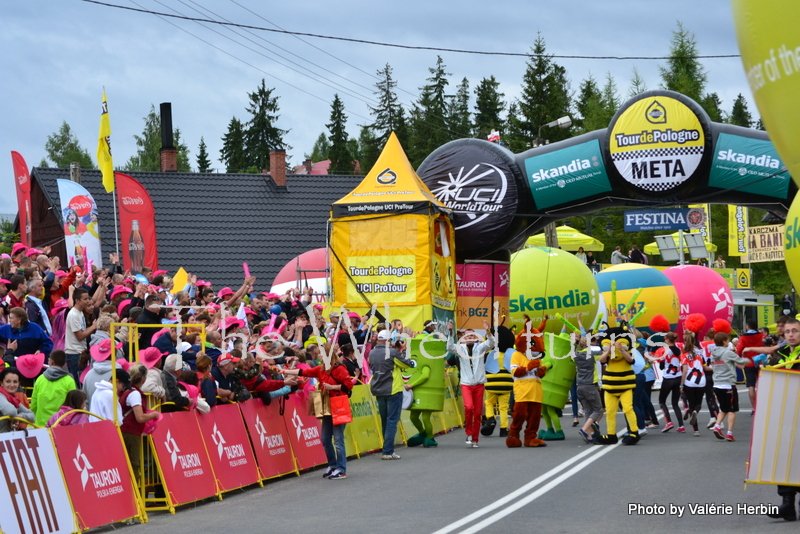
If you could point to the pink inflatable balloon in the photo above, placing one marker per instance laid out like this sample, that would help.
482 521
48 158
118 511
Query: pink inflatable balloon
701 290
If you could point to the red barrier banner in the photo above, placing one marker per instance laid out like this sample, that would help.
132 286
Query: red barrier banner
22 179
269 437
181 453
137 224
228 447
33 498
304 434
95 467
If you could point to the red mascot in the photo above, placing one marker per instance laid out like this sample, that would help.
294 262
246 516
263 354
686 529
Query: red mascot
527 370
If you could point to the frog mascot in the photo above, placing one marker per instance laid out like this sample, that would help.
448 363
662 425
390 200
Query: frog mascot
556 384
425 377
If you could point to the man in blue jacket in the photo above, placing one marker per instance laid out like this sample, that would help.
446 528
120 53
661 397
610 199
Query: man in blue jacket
23 337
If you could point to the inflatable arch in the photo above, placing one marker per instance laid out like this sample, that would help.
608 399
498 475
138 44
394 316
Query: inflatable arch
659 150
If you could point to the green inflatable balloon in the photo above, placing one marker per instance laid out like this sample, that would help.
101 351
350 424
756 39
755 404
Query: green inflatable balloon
770 48
546 281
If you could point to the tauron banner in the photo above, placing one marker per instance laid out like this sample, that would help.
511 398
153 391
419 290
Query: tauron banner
570 173
33 497
81 230
137 224
749 165
22 180
657 143
478 181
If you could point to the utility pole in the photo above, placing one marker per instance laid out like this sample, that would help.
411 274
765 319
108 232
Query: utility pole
550 235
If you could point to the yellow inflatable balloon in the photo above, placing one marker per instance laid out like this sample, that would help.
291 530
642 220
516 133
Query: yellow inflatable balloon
791 242
769 42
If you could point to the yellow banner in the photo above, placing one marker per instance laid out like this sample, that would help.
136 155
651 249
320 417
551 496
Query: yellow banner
765 243
737 230
104 160
382 278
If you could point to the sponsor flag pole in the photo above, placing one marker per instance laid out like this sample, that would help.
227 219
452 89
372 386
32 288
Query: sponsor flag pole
116 221
106 163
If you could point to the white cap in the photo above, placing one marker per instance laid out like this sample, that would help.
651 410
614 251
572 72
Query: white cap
383 335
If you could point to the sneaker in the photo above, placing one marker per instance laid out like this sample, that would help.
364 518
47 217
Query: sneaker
652 425
697 433
338 475
393 456
585 436
581 413
686 414
669 426
681 429
729 437
474 444
643 432
693 419
718 432
711 424
328 472
503 432
469 440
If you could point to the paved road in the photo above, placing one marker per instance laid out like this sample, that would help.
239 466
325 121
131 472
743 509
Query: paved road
565 487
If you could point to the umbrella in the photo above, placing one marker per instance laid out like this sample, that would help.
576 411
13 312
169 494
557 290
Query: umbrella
568 239
651 249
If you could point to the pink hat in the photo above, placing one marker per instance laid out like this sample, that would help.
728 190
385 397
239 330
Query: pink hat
271 296
120 289
230 322
30 365
158 273
131 281
212 306
225 291
226 359
354 315
151 425
4 256
124 364
150 356
59 305
249 311
122 305
16 248
33 252
193 391
4 281
158 335
102 350
203 283
61 274
319 307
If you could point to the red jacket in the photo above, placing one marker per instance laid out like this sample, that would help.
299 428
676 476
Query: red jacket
755 339
335 375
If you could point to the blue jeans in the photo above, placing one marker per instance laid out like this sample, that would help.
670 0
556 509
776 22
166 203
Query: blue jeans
336 458
390 408
72 367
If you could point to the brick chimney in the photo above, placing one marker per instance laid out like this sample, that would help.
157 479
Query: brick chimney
168 152
277 167
308 165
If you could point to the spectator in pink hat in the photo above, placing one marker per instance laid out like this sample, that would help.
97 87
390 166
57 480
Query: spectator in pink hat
18 252
151 358
58 321
101 367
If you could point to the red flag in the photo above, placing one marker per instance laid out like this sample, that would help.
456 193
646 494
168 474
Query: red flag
22 179
137 224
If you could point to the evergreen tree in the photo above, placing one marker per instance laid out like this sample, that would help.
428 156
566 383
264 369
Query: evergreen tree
428 124
203 163
597 106
489 106
338 153
713 106
321 148
760 125
369 148
232 153
458 115
740 115
63 148
516 140
587 102
545 95
261 135
683 72
638 85
388 114
148 154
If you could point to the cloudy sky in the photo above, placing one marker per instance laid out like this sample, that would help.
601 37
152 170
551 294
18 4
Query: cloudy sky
56 57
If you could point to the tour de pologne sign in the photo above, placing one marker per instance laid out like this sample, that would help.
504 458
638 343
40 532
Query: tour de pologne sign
658 220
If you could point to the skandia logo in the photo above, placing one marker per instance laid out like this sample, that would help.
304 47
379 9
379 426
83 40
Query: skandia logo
574 166
132 201
764 160
386 177
574 298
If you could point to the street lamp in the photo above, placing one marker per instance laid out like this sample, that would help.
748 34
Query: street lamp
588 221
562 122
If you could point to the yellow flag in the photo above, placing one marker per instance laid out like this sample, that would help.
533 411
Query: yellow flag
104 160
737 230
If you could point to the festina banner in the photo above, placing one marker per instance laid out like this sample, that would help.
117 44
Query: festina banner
95 467
81 230
137 224
737 231
22 179
33 498
659 220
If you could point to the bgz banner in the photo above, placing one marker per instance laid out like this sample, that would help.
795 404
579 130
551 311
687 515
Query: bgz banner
22 180
137 224
81 232
33 499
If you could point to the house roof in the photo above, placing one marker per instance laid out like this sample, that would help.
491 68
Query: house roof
210 223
